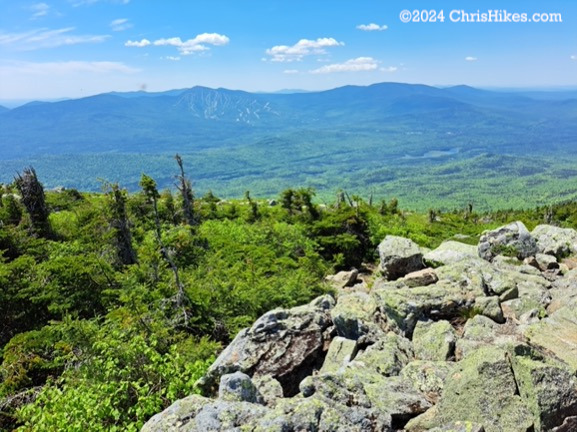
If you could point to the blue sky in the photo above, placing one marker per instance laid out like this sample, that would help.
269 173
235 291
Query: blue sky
75 48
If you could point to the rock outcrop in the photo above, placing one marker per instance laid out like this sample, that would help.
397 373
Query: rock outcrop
483 342
552 240
399 256
513 239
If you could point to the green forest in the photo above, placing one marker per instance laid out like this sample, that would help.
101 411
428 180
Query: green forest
113 304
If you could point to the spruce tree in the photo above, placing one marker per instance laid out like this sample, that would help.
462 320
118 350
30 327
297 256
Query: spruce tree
120 225
34 200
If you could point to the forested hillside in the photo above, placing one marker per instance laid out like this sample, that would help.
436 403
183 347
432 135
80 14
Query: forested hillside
427 146
113 304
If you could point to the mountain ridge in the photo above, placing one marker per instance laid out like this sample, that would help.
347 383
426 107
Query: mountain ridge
389 136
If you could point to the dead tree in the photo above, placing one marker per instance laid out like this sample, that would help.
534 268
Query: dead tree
185 188
149 187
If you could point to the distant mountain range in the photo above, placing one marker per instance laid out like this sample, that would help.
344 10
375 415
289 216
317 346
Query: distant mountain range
262 137
198 117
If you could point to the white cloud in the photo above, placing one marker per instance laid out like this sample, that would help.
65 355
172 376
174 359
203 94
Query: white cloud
471 59
354 65
304 47
290 71
171 58
68 67
39 10
372 27
120 24
574 57
389 69
46 38
138 44
199 43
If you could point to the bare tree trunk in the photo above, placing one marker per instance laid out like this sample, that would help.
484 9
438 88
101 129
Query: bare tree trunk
185 189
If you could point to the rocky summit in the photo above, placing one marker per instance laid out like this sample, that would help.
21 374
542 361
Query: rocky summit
460 338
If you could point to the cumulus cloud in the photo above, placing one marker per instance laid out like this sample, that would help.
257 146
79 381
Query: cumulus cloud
354 65
67 67
187 47
120 24
372 27
389 69
172 58
39 10
138 44
290 71
304 47
471 59
46 38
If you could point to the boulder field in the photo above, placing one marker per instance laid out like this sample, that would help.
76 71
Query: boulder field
460 338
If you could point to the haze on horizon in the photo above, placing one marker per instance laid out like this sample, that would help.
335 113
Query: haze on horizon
74 48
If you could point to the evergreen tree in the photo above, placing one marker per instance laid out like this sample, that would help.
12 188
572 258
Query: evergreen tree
10 211
34 201
254 213
287 199
120 225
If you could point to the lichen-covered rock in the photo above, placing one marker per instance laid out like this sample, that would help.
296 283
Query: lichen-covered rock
386 357
237 387
176 417
362 388
352 366
552 240
420 278
482 389
510 240
449 252
557 334
425 421
285 344
428 377
569 425
269 389
434 340
549 388
320 415
533 293
481 331
563 292
399 256
343 279
341 351
402 308
490 307
519 307
471 275
460 426
198 414
353 315
546 262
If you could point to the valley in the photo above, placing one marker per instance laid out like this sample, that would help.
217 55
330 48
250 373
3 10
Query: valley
427 146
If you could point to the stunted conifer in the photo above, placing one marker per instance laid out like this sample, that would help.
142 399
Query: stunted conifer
120 225
33 198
